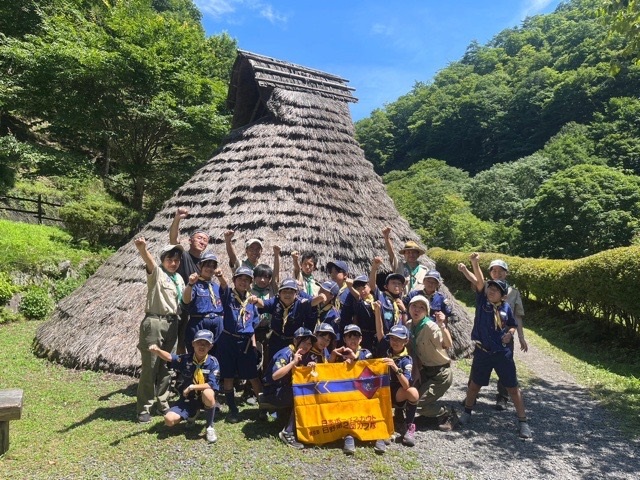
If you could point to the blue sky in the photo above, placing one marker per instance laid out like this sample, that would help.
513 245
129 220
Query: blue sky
381 46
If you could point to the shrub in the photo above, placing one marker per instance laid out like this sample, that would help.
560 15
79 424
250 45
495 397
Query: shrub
36 304
63 288
7 288
7 316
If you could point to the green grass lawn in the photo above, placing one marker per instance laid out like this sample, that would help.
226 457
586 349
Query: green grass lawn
80 424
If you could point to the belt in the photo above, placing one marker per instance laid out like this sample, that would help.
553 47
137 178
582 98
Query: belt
212 314
243 337
439 367
482 347
173 316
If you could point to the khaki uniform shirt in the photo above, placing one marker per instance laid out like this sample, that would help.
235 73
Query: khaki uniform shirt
429 346
162 295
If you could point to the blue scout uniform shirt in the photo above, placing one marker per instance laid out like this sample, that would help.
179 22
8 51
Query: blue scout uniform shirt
389 316
361 354
404 362
342 296
205 299
328 314
437 302
232 307
360 311
299 314
185 365
484 328
282 358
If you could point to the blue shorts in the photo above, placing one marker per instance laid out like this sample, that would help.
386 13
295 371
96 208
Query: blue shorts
237 357
502 362
281 396
187 407
394 390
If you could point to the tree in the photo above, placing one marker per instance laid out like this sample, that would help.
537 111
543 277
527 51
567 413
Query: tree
143 90
581 211
623 17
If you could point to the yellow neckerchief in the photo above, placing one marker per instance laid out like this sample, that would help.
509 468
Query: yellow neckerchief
496 315
211 292
368 299
338 303
320 354
198 376
429 297
285 313
243 303
396 309
395 356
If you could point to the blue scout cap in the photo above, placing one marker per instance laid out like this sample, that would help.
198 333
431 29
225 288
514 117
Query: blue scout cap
331 287
304 332
433 274
325 328
288 283
339 264
499 263
501 284
352 328
243 271
395 276
399 331
208 257
360 280
204 335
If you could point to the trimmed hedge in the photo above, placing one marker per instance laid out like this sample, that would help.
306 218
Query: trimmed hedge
604 285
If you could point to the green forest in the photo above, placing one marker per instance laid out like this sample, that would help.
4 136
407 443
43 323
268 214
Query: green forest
528 145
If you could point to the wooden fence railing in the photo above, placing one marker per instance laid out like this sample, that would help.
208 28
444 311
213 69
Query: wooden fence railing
39 212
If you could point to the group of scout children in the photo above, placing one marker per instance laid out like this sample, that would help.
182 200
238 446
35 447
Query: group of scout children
231 315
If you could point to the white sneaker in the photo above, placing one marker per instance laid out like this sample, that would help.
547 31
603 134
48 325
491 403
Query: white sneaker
525 431
211 435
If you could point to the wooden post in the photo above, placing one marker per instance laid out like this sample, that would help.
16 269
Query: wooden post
40 210
10 409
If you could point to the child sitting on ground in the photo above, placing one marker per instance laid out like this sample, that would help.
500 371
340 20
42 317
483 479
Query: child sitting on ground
199 371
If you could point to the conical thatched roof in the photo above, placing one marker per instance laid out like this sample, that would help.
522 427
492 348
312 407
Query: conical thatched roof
290 173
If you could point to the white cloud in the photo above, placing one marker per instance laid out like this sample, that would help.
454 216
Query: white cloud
220 9
532 7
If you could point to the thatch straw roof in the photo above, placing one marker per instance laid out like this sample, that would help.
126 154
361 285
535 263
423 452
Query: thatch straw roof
290 172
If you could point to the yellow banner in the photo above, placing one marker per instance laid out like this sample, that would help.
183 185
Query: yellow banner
342 399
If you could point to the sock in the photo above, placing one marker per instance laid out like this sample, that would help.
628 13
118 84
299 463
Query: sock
467 409
291 423
523 419
411 412
209 414
231 400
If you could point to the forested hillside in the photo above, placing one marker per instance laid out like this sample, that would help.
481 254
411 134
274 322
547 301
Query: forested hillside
108 106
546 117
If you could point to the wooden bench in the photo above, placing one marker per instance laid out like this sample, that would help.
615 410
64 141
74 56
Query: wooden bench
10 409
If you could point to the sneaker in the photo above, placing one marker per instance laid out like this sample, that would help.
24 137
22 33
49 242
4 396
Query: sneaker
290 439
465 418
380 447
218 407
144 417
409 438
501 403
251 401
349 446
232 417
211 435
525 431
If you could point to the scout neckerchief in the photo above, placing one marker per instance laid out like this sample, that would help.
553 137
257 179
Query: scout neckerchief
418 328
308 283
496 315
396 356
212 294
198 375
174 279
412 275
368 299
338 303
242 303
261 292
319 355
285 313
396 309
323 310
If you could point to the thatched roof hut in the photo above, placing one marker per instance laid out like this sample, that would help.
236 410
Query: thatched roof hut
290 172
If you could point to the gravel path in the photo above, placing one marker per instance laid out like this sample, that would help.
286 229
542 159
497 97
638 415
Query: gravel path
573 437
